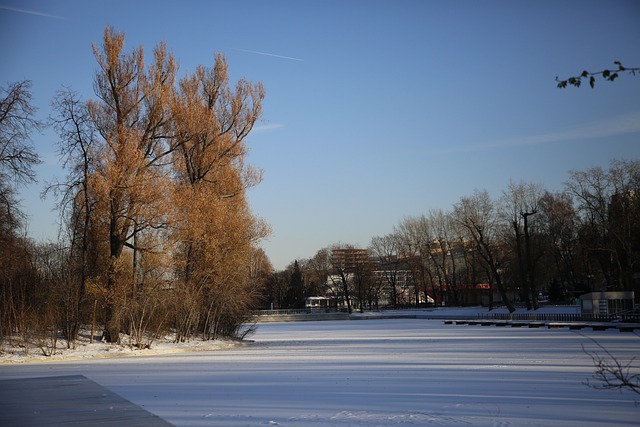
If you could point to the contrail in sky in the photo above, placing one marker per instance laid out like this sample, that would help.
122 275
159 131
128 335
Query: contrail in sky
267 127
268 54
31 12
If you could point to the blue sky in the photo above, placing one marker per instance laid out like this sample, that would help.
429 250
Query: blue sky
375 110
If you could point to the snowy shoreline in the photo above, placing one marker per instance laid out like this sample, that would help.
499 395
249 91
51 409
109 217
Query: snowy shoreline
82 349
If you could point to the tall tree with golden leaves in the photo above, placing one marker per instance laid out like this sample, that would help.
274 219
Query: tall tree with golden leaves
132 116
215 228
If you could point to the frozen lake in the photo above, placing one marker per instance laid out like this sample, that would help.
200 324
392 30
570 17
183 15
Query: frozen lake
372 373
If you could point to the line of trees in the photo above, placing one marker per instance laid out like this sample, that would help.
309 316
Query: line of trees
508 250
157 235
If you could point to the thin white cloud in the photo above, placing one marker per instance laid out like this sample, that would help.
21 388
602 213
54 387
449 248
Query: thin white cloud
31 12
620 125
268 54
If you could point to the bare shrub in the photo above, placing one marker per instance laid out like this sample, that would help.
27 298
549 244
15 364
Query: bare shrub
146 313
611 373
45 332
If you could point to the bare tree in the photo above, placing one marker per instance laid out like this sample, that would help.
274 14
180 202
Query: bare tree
520 204
363 280
260 270
277 287
559 221
318 271
17 159
17 154
341 266
611 373
416 238
17 122
624 219
386 251
337 265
608 208
477 214
448 240
76 148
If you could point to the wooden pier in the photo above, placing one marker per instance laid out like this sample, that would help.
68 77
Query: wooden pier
71 400
595 326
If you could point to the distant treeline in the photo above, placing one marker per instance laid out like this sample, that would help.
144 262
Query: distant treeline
526 243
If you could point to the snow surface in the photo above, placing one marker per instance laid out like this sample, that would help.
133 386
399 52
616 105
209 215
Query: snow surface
382 372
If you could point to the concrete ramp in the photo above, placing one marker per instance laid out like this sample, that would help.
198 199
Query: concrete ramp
72 400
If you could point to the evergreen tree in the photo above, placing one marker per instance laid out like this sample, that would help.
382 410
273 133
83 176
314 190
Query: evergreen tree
295 294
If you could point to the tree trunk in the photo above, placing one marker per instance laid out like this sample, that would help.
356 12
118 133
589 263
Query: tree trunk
111 328
530 279
112 323
525 291
345 288
503 293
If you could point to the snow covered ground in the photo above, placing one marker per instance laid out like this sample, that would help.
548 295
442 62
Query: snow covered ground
382 372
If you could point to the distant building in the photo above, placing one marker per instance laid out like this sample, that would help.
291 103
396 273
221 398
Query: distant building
349 259
320 302
606 303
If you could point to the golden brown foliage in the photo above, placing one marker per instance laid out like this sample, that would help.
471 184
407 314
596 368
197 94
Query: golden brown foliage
160 233
214 229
